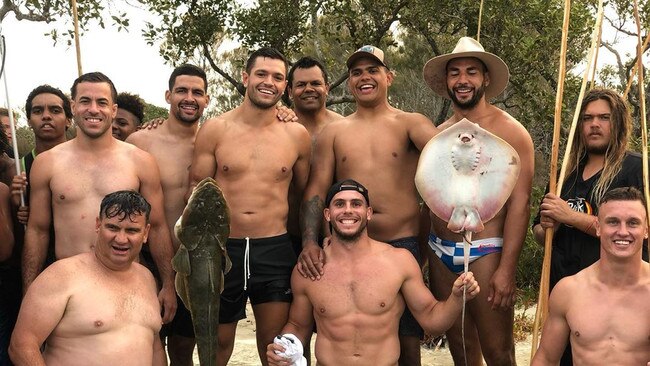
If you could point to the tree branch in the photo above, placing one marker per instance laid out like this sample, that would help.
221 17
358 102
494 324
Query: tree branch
240 87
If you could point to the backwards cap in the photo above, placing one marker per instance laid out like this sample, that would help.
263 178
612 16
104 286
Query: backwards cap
346 185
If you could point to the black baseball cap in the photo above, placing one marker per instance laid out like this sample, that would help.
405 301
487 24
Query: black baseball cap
346 185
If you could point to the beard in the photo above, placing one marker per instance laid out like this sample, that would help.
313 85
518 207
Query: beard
597 149
478 94
349 237
187 119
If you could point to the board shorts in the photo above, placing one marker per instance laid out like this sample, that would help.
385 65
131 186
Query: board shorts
261 270
408 326
451 252
181 325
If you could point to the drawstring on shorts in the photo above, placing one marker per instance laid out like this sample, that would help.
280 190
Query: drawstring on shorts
247 264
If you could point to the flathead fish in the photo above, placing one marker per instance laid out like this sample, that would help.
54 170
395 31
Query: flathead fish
201 262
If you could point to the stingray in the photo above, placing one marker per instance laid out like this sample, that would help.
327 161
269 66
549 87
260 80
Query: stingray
465 175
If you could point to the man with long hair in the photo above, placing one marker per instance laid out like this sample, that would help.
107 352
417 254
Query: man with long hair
599 162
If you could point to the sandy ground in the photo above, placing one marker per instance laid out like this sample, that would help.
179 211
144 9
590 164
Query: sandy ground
245 352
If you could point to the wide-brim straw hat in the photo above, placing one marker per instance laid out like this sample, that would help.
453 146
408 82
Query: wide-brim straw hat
435 70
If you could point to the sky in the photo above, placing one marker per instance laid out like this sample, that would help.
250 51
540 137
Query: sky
32 59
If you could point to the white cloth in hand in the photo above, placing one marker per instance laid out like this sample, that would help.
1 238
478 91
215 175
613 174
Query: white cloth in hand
292 349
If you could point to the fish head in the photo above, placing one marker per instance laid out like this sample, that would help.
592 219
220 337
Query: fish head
206 209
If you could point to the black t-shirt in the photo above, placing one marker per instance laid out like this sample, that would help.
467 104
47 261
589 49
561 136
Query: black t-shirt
574 250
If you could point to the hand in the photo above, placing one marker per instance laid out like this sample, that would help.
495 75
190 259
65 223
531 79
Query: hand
273 358
502 290
286 114
167 299
311 261
23 214
18 186
154 123
556 209
466 280
548 223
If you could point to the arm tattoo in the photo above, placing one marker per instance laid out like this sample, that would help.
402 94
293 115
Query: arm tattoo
311 218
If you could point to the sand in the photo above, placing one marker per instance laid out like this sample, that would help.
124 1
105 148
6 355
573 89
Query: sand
245 351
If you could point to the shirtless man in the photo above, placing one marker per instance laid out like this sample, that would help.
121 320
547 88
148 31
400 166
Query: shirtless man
359 299
469 76
254 158
49 115
307 87
69 180
379 146
130 113
172 145
7 168
96 308
615 290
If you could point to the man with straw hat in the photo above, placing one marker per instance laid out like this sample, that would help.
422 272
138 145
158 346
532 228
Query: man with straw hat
469 76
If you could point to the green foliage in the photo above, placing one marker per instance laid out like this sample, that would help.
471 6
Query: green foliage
153 111
529 267
25 140
187 28
283 30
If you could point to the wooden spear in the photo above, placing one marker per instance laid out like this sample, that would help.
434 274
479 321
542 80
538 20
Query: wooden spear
75 16
642 116
542 303
629 81
557 124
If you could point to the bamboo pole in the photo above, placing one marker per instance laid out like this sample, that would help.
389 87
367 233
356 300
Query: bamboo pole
593 70
480 16
542 304
633 73
75 16
557 123
642 116
576 113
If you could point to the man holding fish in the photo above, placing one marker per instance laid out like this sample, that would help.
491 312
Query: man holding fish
469 76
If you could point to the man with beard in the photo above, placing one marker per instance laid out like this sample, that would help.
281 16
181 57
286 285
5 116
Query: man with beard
469 76
69 181
380 145
598 162
172 145
254 158
130 113
359 299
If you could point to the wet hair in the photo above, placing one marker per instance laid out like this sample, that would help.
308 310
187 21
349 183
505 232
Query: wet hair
624 194
266 52
124 203
93 77
306 63
47 89
132 103
187 69
620 126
